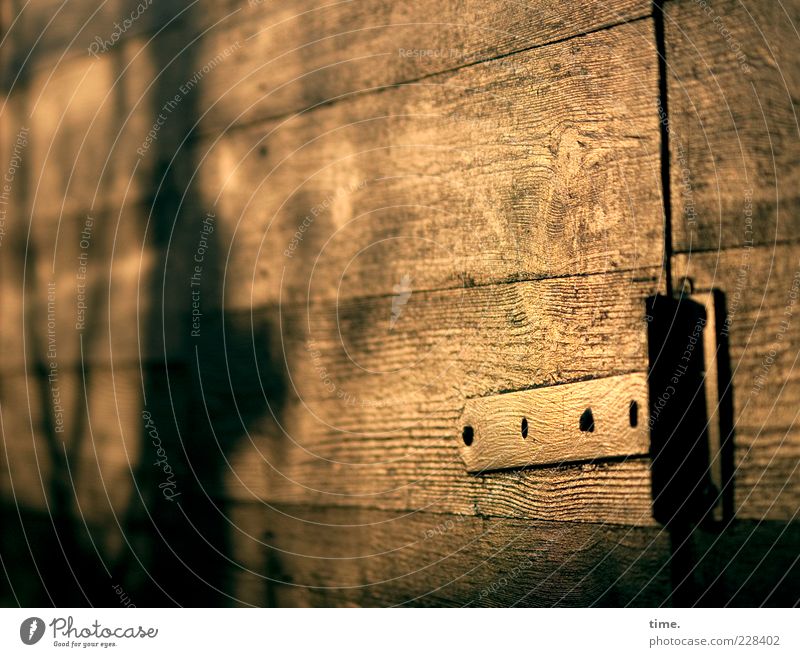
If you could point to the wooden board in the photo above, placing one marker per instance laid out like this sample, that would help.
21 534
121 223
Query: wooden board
102 131
490 173
299 55
371 452
476 341
111 116
339 31
733 87
488 221
300 556
618 493
583 421
241 453
761 286
304 55
411 182
349 557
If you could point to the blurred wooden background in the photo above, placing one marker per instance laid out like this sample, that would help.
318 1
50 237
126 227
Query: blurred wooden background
290 170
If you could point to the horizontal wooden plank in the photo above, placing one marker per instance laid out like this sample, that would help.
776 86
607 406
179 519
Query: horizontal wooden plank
230 447
365 451
476 341
304 55
363 414
406 457
346 557
459 32
581 421
119 117
761 287
733 87
298 556
301 54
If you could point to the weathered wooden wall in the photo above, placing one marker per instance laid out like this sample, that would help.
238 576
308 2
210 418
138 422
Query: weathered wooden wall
502 163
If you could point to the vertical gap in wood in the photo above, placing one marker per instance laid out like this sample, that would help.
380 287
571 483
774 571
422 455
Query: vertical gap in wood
682 560
663 106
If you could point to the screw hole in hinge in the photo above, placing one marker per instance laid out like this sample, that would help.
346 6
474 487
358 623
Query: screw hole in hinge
524 428
633 413
468 435
587 421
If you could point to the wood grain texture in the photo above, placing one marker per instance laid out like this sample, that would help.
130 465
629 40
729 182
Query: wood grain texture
337 406
617 493
501 171
733 80
476 341
228 446
350 557
305 53
311 53
367 190
761 286
323 33
580 421
371 452
97 112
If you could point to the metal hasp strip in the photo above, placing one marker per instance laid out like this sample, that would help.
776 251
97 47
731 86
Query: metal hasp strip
689 392
679 413
571 422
